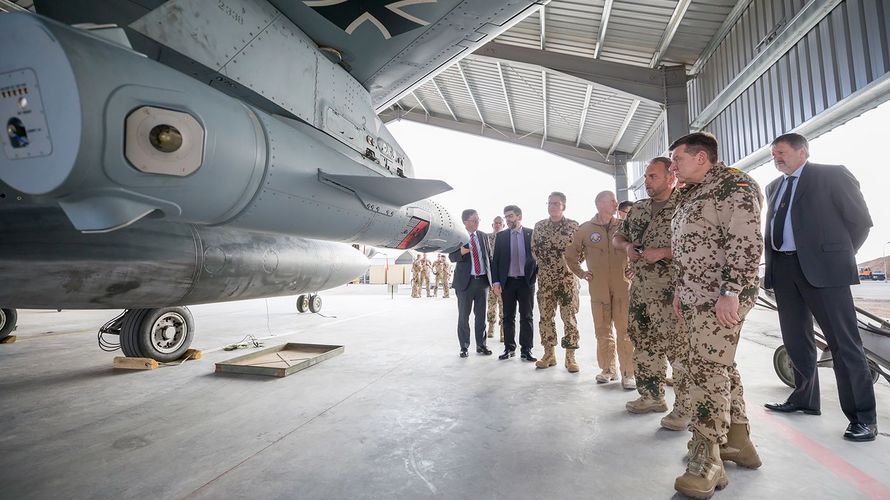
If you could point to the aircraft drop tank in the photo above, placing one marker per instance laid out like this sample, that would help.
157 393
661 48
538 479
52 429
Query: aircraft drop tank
113 137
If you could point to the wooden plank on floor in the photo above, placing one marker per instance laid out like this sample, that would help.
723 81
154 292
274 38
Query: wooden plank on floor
126 363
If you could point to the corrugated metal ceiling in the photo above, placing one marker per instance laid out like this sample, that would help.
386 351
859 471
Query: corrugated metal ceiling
634 32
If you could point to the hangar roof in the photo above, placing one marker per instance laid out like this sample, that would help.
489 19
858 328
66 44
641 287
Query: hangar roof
588 109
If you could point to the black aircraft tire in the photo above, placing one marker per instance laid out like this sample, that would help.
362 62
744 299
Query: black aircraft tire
155 324
8 319
314 304
302 303
130 331
783 367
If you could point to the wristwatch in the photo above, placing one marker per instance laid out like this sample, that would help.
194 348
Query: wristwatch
728 293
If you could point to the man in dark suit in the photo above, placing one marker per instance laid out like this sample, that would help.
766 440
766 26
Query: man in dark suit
816 221
472 275
514 271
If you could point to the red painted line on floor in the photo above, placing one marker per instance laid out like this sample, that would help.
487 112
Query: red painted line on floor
831 461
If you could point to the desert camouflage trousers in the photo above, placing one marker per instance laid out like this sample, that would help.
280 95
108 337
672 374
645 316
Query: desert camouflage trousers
420 282
495 312
441 280
565 297
658 339
716 395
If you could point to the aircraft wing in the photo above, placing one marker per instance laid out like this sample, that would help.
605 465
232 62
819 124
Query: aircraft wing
390 47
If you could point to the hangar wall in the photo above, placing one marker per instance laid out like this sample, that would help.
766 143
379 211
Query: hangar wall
836 71
843 54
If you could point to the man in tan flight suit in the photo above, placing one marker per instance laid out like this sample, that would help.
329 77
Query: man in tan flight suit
609 289
426 268
557 286
495 304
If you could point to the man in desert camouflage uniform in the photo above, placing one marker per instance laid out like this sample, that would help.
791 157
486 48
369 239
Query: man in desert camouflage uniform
416 271
442 270
645 235
557 286
716 243
426 268
495 304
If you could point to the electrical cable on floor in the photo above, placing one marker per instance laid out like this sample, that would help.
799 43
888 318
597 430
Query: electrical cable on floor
111 327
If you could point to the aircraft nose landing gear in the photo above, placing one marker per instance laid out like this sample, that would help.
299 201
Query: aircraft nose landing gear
310 302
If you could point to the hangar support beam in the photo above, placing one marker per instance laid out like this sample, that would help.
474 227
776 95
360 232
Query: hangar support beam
639 82
587 157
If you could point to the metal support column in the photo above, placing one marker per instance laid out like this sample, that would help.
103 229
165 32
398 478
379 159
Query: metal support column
620 177
676 102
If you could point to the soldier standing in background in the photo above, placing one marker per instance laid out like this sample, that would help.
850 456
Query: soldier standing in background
609 289
426 268
557 286
716 243
416 271
442 271
623 209
495 303
645 236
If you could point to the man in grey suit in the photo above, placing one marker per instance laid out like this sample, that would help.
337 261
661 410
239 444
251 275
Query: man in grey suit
472 276
816 221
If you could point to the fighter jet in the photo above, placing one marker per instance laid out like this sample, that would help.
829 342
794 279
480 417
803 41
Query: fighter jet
159 154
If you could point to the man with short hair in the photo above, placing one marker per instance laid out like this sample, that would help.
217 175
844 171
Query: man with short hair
716 246
645 236
557 286
623 209
515 270
416 279
495 304
609 289
816 221
472 274
426 267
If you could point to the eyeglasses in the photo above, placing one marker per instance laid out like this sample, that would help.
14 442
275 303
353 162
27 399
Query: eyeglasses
554 203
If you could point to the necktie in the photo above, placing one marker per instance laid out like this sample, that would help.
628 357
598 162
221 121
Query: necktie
781 213
477 269
514 254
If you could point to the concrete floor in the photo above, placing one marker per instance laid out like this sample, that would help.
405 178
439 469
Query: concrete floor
398 415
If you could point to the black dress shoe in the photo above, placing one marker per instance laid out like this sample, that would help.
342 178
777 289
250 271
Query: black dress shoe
483 350
861 432
507 354
527 355
463 353
789 407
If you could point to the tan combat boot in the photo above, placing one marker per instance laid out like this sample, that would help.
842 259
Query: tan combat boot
548 359
645 404
571 365
704 472
675 421
739 448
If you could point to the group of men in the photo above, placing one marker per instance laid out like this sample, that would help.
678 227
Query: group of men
671 284
420 276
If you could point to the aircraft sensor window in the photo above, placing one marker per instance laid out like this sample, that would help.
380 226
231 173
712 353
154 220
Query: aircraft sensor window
165 138
18 135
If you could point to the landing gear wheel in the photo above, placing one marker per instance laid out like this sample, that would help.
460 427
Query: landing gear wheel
302 303
783 367
162 334
314 303
8 319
